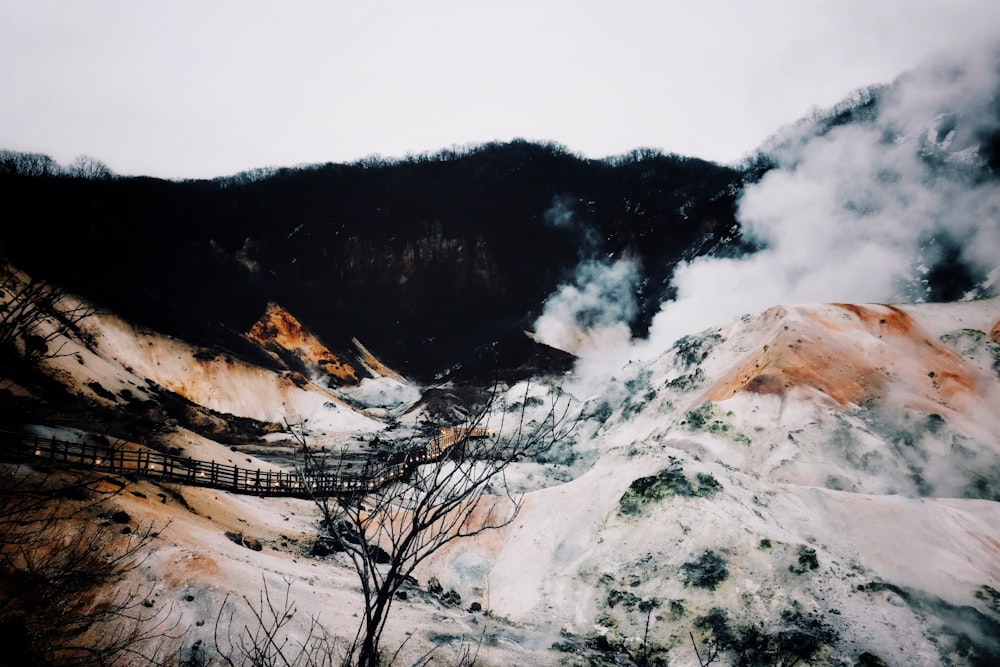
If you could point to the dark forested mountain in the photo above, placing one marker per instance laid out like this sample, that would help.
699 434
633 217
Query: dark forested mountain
438 259
427 260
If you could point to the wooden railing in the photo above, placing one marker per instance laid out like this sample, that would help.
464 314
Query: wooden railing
17 447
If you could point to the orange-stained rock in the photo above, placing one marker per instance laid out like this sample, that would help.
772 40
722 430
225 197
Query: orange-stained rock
282 336
794 358
850 353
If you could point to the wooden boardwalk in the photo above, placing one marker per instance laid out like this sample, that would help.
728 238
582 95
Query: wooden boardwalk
21 448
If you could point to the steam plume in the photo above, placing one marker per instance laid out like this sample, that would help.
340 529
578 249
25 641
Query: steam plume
864 212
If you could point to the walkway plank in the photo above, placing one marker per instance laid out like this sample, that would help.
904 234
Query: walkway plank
18 447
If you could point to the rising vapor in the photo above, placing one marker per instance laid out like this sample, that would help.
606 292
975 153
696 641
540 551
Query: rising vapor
876 210
592 314
863 212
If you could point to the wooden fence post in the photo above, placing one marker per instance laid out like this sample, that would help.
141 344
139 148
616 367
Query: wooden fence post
372 474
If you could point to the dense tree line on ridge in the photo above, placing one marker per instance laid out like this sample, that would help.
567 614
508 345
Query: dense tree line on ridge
423 258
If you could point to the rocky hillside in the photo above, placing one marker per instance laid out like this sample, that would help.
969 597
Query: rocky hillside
818 482
814 482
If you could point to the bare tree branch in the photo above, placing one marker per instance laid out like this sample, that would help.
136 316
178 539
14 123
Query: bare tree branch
63 566
266 641
389 525
37 320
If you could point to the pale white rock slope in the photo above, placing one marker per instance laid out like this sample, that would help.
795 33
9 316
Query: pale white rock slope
831 470
857 453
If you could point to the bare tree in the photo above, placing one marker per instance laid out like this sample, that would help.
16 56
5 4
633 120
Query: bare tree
64 556
16 163
644 652
265 641
455 487
36 319
84 166
711 651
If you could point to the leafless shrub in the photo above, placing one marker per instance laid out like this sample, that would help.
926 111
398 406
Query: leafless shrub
37 320
63 600
268 639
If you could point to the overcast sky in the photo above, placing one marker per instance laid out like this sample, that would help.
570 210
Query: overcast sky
209 87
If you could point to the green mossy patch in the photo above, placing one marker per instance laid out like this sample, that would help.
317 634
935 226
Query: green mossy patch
671 481
806 560
707 571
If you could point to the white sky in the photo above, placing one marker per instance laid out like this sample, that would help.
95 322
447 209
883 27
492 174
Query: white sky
200 88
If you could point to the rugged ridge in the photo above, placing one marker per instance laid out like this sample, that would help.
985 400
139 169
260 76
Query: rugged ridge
428 261
779 472
282 336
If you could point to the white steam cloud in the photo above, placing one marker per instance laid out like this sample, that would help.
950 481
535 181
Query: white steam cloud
856 213
592 315
860 213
